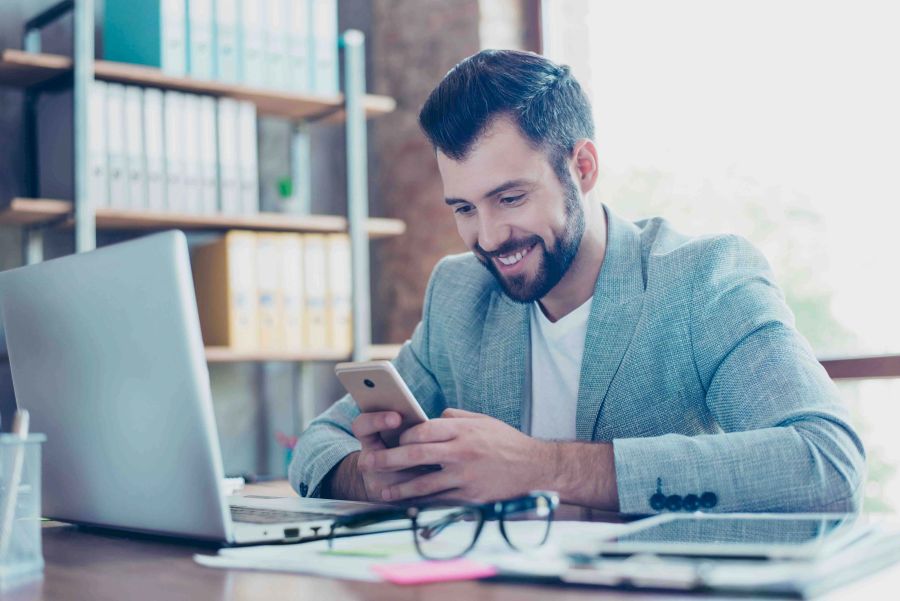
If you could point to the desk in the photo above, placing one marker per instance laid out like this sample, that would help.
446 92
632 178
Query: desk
92 565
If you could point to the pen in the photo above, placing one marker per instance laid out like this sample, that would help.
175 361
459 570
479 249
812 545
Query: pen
9 500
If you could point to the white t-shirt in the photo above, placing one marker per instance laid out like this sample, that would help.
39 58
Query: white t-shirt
556 352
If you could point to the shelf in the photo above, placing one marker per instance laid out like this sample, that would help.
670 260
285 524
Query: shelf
222 354
22 69
31 211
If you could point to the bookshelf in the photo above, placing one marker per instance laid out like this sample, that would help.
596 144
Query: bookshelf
34 72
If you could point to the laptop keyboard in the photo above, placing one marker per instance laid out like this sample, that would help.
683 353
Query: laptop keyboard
256 515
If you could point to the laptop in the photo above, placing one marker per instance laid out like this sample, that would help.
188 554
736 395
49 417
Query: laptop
106 354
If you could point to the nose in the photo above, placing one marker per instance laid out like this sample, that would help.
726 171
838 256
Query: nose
492 233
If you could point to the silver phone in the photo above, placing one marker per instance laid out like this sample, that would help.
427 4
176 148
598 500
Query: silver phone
377 386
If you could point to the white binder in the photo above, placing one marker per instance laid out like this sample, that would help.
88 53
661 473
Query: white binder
226 40
134 143
208 191
324 20
175 140
117 163
154 148
200 39
275 42
192 192
252 44
99 185
174 37
298 46
249 172
228 157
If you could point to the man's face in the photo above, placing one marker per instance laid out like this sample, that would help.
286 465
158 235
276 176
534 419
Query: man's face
512 211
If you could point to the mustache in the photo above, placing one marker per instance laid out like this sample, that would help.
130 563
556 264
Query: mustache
509 247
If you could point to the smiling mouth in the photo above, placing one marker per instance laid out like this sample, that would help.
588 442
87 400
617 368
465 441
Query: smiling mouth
514 258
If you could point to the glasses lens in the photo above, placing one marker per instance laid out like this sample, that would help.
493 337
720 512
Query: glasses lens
527 523
445 532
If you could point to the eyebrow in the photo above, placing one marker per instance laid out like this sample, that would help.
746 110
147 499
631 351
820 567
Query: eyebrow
513 183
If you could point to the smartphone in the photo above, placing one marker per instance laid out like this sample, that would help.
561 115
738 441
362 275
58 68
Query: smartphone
376 386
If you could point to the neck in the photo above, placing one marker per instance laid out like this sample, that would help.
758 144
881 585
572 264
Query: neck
577 286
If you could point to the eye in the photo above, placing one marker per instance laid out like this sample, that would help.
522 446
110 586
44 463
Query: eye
509 200
463 209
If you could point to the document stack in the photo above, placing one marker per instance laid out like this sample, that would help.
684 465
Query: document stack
275 292
289 45
167 151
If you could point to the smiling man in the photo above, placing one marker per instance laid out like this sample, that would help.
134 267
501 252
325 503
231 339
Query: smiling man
625 365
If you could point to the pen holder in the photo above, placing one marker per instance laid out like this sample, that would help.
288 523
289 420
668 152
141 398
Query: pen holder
20 507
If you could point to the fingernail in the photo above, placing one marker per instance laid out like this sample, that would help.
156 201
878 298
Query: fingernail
386 494
393 421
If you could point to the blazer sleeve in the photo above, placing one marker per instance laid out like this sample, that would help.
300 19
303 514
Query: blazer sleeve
329 439
787 444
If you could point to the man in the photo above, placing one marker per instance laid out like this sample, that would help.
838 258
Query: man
624 365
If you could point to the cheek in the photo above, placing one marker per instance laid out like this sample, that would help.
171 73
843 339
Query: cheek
468 231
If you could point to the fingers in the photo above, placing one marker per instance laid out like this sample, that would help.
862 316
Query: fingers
430 484
461 413
435 430
367 427
406 456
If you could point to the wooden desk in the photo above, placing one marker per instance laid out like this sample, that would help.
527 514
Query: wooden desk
97 566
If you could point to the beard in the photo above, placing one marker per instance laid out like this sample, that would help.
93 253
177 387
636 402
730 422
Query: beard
554 262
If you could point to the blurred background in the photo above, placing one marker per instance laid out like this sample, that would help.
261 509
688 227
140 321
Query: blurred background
776 120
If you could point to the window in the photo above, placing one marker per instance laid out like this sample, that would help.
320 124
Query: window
774 120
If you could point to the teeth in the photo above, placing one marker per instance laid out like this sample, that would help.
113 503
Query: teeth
513 259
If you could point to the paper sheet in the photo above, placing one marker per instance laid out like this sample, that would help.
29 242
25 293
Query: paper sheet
353 558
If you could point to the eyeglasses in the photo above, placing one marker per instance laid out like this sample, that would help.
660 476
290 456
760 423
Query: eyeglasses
442 531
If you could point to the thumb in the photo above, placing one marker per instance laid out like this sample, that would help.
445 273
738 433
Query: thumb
460 413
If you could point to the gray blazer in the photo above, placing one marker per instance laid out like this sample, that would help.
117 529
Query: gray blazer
692 368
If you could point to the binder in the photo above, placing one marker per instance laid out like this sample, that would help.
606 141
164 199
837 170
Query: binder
191 136
275 43
301 155
208 180
200 39
134 142
324 35
293 299
315 286
116 158
174 140
268 291
225 283
154 148
339 292
252 44
226 40
298 46
249 171
228 157
146 32
99 185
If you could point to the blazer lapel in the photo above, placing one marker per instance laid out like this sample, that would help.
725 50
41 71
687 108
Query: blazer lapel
618 299
505 353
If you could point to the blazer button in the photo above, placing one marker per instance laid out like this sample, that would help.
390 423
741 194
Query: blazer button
708 500
303 489
658 501
690 503
673 503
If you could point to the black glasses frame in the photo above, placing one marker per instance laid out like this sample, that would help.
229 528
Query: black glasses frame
486 512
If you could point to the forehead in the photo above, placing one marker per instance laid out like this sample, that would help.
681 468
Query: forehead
502 154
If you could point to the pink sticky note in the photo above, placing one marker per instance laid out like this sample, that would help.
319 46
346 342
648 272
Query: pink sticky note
421 572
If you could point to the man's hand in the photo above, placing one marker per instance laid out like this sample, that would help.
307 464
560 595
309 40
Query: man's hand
482 459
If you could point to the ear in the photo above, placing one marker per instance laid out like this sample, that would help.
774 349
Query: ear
584 158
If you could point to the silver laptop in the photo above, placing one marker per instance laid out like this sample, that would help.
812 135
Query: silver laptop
106 354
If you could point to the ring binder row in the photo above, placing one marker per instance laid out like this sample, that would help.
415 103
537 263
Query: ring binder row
275 292
167 151
289 45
